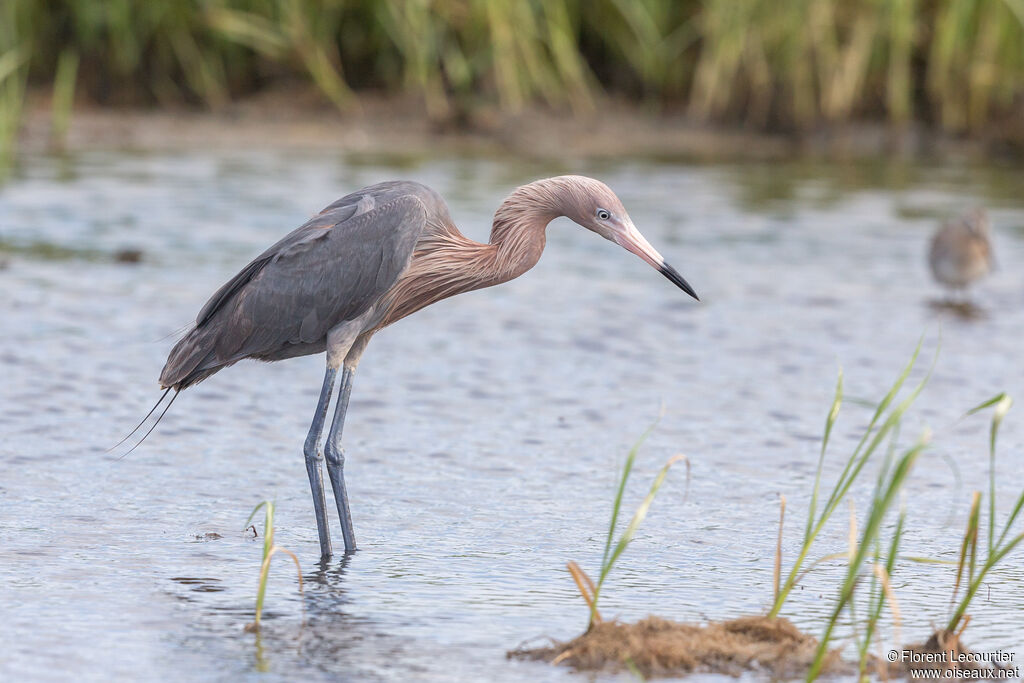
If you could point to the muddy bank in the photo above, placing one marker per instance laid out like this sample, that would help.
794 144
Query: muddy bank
397 127
659 647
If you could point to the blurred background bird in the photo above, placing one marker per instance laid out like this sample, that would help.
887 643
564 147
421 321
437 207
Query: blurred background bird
961 252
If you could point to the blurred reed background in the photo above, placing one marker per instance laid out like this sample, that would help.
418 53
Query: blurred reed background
957 65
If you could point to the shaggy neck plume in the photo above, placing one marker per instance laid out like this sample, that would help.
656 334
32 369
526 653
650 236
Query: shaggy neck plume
518 231
449 263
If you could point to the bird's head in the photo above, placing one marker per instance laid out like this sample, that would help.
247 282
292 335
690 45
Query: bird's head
592 204
977 222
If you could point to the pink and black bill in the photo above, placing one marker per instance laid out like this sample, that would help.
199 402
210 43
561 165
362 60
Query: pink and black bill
673 275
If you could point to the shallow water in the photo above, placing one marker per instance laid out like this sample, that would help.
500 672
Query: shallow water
485 432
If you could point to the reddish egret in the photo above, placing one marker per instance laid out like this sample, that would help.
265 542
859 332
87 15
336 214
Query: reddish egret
364 262
961 252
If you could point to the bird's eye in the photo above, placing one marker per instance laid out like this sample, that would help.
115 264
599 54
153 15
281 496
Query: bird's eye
603 214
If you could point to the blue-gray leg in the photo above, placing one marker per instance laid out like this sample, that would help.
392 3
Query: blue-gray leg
313 459
336 460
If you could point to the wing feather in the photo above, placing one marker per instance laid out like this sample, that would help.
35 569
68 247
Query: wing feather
332 269
334 215
315 284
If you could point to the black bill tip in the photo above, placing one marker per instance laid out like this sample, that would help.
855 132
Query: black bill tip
677 279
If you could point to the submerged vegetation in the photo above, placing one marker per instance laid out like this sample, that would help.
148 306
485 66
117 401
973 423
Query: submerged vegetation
656 646
957 64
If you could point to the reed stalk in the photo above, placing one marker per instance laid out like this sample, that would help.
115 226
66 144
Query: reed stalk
957 63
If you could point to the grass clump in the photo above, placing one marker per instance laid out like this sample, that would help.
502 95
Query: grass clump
269 550
656 646
997 548
869 558
865 557
659 647
882 429
971 570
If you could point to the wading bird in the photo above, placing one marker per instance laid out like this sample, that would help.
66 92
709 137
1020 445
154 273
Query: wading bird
367 260
961 252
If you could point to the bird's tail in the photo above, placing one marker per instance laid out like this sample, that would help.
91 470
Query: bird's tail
192 360
143 421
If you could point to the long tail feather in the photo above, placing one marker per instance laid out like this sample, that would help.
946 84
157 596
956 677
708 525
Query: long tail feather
142 421
150 431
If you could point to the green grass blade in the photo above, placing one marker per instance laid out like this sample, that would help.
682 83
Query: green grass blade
880 409
630 531
830 420
638 516
990 402
880 506
1012 518
970 538
972 589
247 28
997 549
11 61
1002 407
617 505
63 96
268 525
873 436
927 560
269 550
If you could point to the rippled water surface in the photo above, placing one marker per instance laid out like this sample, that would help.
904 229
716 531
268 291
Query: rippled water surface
485 432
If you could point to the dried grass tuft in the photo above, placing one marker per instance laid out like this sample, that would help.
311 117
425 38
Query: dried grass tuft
659 647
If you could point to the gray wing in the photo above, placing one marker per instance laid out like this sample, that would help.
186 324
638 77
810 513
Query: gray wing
332 269
335 215
329 272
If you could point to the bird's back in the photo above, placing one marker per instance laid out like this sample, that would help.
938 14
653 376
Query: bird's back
332 269
960 251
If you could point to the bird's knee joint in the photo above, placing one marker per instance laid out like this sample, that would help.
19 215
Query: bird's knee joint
310 451
335 455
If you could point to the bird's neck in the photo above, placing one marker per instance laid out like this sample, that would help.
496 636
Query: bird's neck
518 232
447 262
516 243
